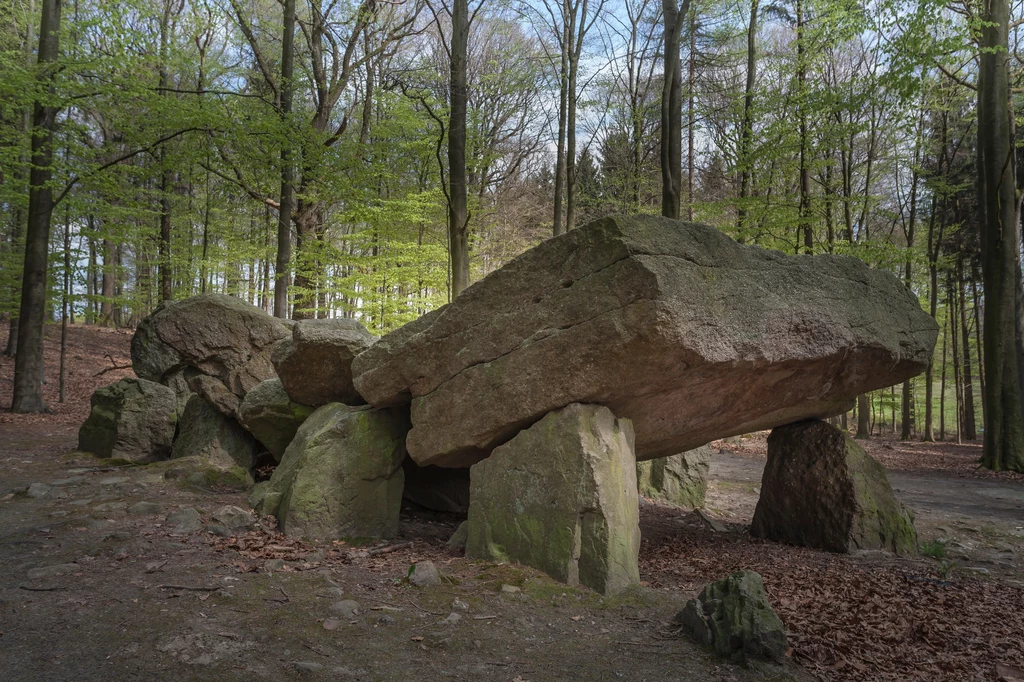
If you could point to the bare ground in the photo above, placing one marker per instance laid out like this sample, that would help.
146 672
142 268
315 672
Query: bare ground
90 591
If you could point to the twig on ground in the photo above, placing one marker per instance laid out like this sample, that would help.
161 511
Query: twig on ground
41 589
191 588
389 549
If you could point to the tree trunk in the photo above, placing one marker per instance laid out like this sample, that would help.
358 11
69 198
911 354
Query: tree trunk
970 430
28 364
1000 243
166 177
691 119
458 211
563 102
672 110
805 224
863 417
284 217
747 129
942 383
953 334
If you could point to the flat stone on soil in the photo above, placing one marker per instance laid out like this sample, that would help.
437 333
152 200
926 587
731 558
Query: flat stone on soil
51 571
144 509
561 497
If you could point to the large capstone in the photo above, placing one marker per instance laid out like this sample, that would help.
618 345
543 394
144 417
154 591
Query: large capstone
733 617
133 420
315 364
220 441
672 325
271 416
216 345
681 479
820 489
341 476
561 497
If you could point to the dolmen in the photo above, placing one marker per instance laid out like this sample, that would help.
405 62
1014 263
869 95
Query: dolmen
554 380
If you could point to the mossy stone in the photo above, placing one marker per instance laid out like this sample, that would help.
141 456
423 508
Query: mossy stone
341 476
561 497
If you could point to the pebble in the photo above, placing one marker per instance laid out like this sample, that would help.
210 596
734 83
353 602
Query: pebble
273 564
111 506
218 530
185 520
234 517
50 571
510 589
144 508
460 605
37 490
346 608
307 666
424 574
115 480
452 619
81 503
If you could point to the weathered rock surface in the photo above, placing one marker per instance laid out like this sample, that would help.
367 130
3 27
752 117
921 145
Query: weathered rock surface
341 476
672 325
218 336
820 489
681 479
561 496
271 416
221 441
733 617
315 364
437 488
424 574
133 419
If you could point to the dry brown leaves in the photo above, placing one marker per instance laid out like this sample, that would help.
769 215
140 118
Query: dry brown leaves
90 351
852 621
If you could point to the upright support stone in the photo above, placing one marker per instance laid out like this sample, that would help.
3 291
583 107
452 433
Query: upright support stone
820 489
341 476
561 496
681 479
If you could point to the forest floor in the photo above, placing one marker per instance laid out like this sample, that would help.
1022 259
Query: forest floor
93 587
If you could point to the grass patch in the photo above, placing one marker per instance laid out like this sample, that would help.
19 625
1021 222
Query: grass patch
936 549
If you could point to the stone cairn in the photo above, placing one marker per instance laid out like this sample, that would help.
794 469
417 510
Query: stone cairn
544 400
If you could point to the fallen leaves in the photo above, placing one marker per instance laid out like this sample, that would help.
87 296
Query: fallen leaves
850 621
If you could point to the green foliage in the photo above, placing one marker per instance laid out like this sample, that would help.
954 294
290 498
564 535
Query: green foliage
936 549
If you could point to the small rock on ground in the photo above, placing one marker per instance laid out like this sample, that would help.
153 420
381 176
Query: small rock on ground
185 521
144 508
424 574
346 608
234 517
